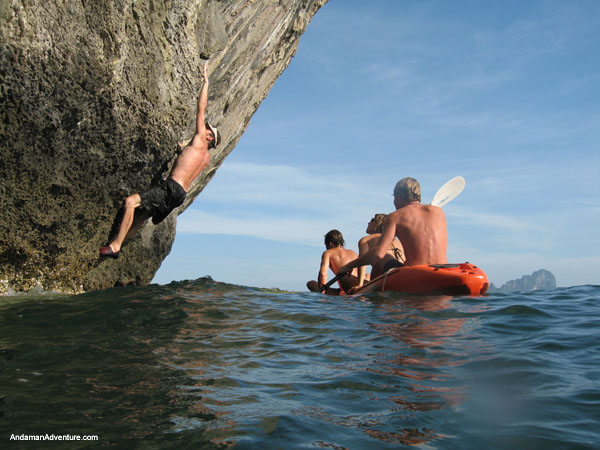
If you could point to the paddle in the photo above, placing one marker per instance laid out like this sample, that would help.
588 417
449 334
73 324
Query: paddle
444 195
448 191
333 280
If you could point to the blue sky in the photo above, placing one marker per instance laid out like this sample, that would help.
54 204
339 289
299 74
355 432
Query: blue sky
506 94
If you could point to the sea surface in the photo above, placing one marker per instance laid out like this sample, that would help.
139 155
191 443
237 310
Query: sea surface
206 365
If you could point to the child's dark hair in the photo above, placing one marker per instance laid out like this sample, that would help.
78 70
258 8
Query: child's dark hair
335 237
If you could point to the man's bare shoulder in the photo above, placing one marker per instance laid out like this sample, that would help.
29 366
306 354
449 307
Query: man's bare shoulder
414 208
198 144
393 217
433 210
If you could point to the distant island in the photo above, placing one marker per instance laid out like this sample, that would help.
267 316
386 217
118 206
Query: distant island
539 280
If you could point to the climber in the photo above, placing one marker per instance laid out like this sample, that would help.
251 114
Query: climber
158 201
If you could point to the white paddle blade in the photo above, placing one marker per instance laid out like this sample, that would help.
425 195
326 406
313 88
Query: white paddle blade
448 191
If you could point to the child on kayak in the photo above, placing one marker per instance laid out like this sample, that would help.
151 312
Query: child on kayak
333 258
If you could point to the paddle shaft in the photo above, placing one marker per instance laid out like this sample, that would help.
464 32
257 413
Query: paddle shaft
333 280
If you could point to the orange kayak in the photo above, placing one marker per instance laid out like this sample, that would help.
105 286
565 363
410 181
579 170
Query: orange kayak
435 279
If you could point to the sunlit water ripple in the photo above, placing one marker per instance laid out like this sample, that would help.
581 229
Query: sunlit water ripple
201 364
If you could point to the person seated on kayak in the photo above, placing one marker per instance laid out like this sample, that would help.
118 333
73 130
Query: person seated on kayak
334 257
420 228
366 243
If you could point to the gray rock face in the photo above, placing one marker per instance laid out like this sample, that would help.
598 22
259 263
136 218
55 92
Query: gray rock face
94 96
539 280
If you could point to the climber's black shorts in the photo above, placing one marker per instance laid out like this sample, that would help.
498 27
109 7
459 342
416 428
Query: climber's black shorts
162 198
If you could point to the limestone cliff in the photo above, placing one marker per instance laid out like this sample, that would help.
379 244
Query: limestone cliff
539 280
94 95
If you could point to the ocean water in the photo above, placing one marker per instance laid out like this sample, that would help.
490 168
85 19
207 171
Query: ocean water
206 365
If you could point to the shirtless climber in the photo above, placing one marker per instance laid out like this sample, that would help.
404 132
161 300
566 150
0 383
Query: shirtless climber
158 201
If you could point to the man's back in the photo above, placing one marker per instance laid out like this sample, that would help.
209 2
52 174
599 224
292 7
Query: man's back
422 232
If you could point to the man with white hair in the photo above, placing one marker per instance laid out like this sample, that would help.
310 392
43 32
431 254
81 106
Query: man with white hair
420 228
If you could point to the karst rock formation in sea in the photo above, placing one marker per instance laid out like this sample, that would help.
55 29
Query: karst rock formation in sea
94 96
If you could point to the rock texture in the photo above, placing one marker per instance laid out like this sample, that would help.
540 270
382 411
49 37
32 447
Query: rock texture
94 95
539 280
